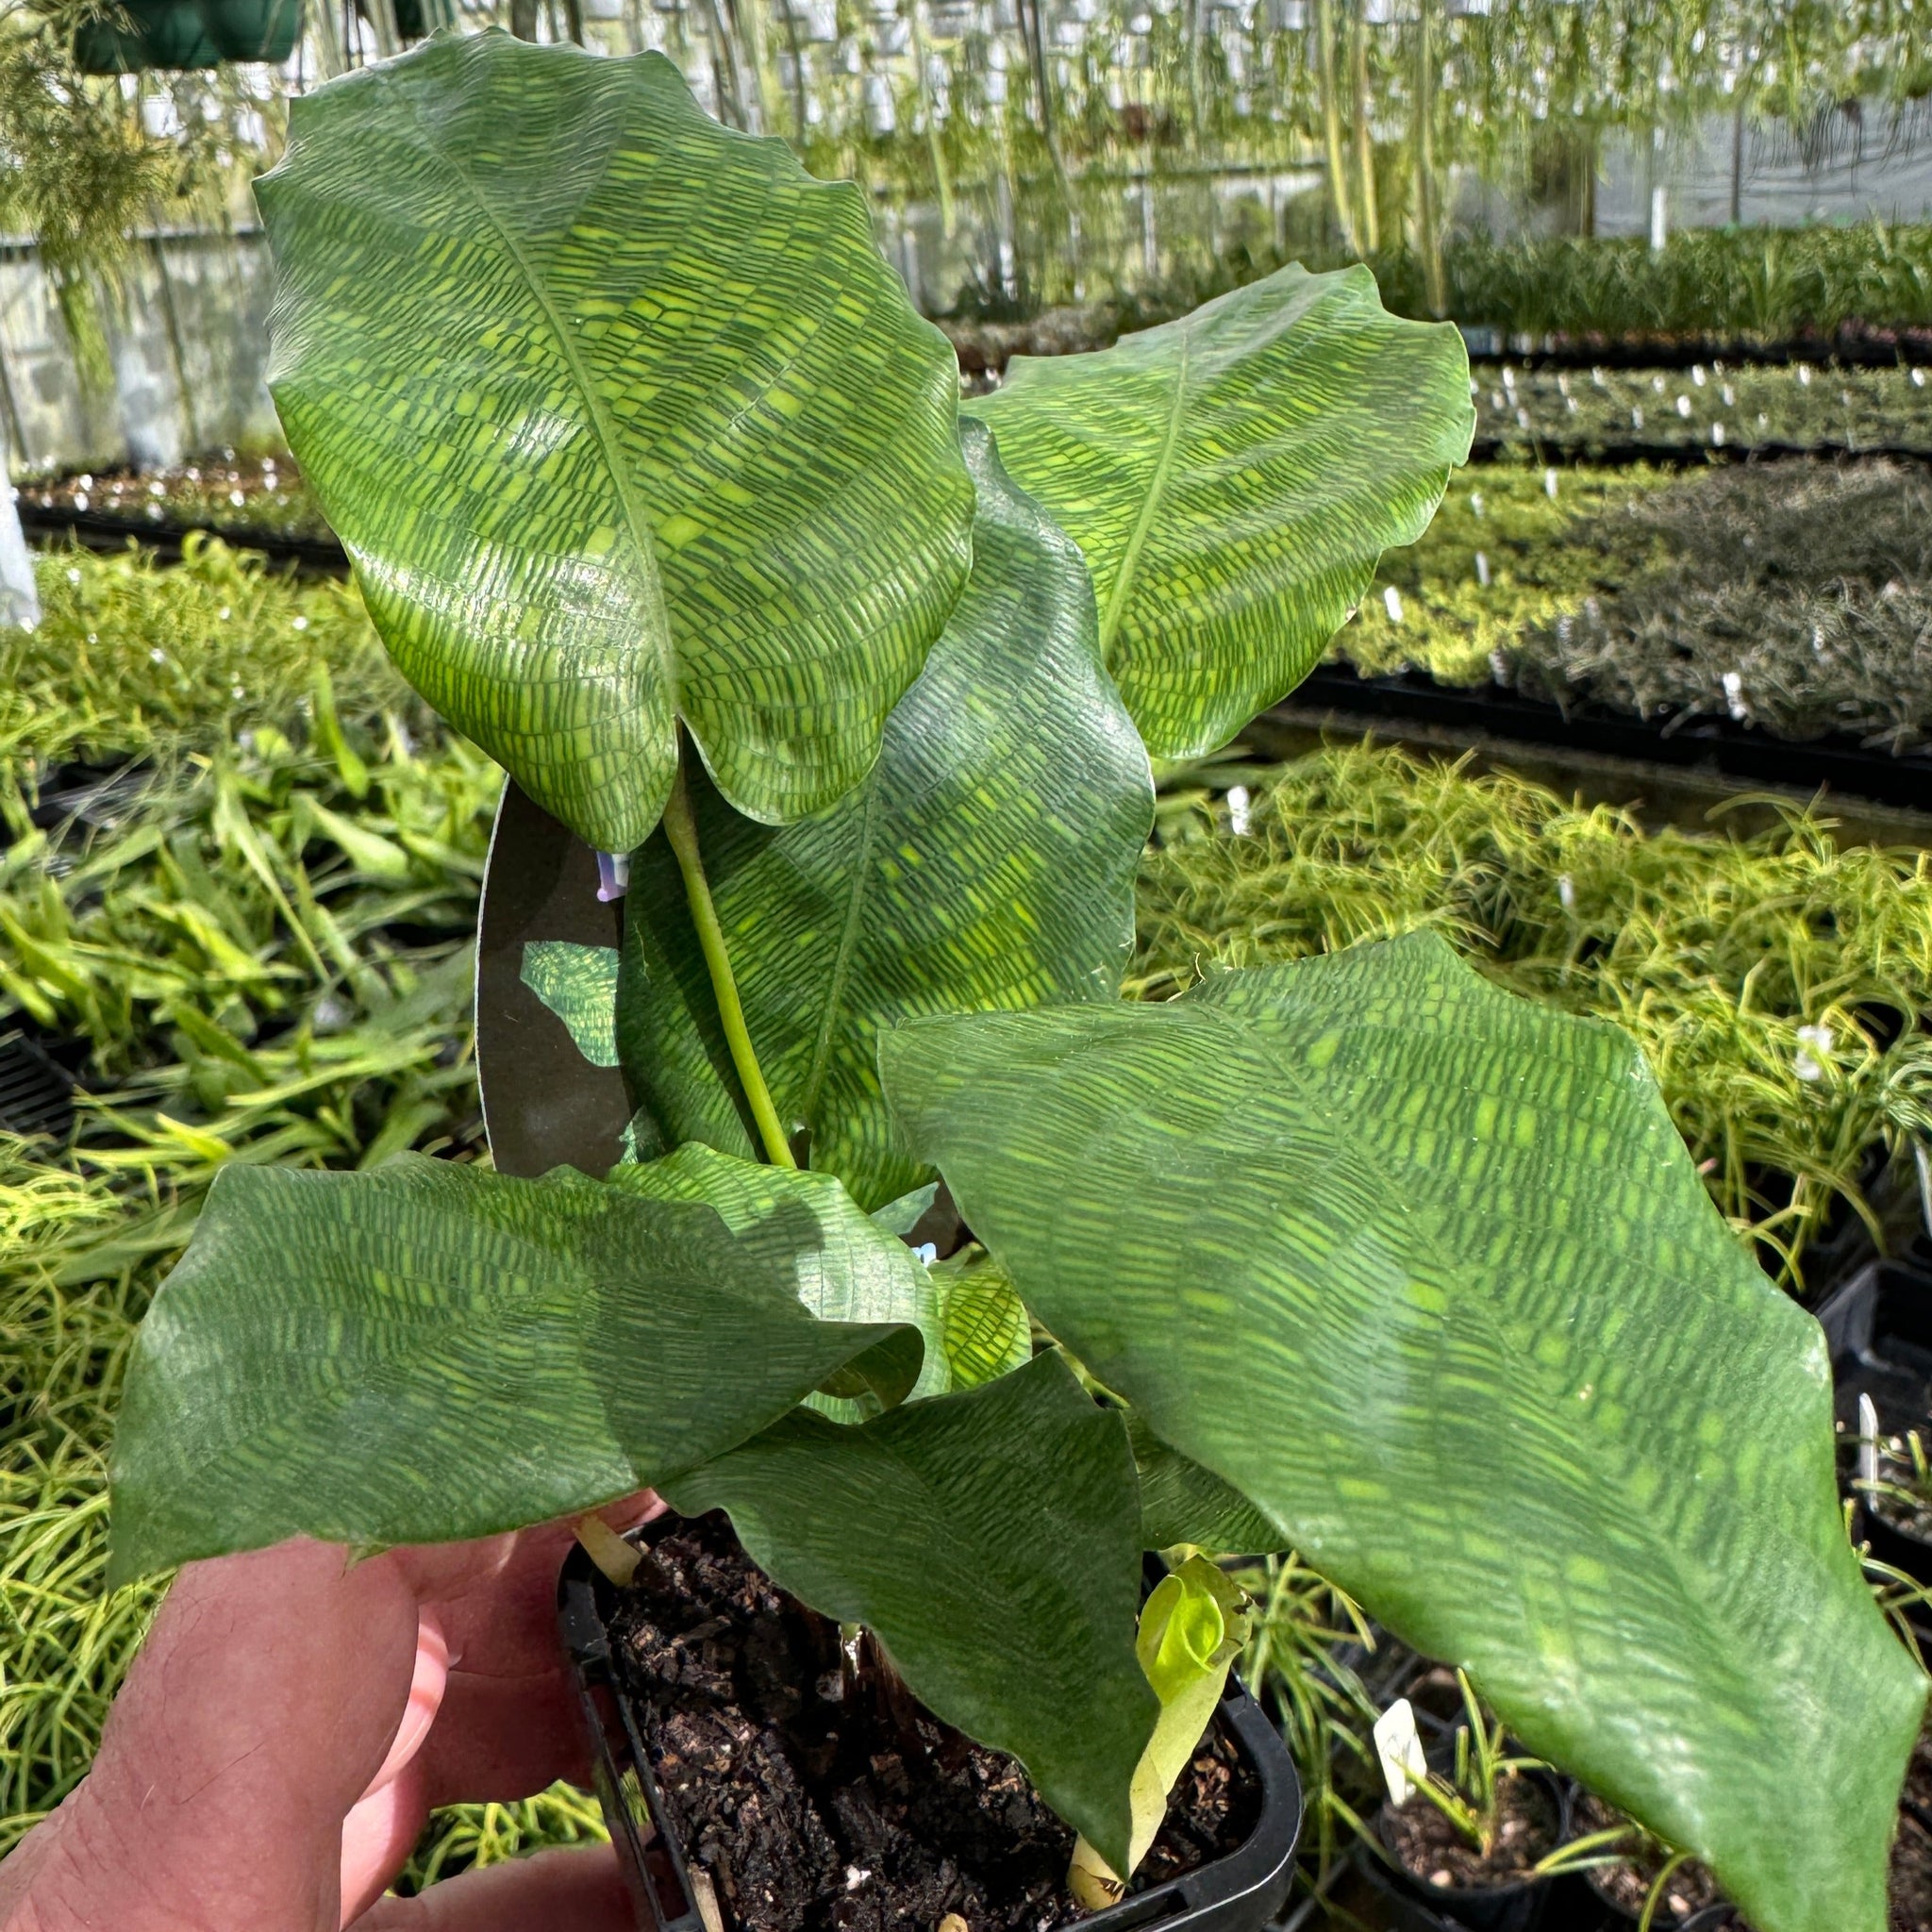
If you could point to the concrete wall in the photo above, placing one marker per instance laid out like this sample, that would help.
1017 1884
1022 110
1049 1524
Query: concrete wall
186 339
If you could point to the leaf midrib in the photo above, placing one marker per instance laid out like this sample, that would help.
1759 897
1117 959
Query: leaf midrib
658 633
848 947
1253 1040
1157 485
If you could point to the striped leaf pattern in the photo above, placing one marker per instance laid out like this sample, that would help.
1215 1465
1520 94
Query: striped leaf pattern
427 1352
1232 478
983 1324
988 861
856 1272
579 985
622 420
991 1540
1423 1270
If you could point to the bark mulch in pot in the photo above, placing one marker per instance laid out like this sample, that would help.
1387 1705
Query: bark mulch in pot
821 1798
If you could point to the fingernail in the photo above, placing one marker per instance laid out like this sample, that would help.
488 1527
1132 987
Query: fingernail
427 1684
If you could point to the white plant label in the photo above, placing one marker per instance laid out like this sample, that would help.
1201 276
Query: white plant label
1403 1765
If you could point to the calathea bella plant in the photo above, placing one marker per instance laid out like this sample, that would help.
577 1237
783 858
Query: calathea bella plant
657 486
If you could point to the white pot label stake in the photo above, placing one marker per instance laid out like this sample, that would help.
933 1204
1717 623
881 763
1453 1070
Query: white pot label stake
1400 1750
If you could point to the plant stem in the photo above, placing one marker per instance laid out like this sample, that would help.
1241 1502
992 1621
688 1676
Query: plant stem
680 828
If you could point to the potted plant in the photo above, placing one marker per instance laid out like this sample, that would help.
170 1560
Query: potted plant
1647 1885
657 486
1473 1838
1893 1488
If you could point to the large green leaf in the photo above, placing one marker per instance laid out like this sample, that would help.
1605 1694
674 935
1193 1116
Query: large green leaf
428 1351
622 420
990 1539
1232 478
1425 1272
988 861
855 1271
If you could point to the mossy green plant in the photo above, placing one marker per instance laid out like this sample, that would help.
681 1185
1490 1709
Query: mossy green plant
1777 983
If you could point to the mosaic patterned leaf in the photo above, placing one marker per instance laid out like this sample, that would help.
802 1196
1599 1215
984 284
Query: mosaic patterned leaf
430 1351
622 420
1423 1272
988 861
579 985
1232 478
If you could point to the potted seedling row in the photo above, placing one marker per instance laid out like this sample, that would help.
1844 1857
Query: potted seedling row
657 488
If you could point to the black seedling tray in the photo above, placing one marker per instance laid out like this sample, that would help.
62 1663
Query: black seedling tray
1240 1893
1737 751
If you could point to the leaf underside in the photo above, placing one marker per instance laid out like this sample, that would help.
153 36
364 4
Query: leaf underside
990 1539
1233 478
1423 1272
622 419
988 861
428 1351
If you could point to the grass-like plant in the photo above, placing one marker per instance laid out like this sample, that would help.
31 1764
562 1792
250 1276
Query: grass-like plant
657 487
1776 982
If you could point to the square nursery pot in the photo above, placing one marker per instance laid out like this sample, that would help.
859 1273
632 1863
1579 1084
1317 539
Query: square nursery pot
1240 1892
1411 1904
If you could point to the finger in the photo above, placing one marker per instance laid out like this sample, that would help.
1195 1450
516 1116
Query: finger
576 1891
379 1835
262 1704
511 1723
389 1817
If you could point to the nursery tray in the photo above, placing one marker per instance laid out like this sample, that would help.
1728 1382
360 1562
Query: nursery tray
1239 1892
544 1105
1878 1327
1733 750
96 530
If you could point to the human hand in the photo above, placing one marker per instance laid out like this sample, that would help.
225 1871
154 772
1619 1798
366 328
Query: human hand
289 1726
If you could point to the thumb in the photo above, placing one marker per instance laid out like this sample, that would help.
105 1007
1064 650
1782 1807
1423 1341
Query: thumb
259 1710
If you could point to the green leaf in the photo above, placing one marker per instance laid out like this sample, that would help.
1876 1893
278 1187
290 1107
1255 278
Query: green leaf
622 419
856 1272
989 1541
1183 1503
579 985
1233 478
902 1216
988 861
1423 1270
1192 1627
983 1327
428 1351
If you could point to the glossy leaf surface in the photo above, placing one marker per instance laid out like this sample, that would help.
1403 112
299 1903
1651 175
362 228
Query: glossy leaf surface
428 1351
1232 478
1183 1503
1423 1270
987 861
990 1539
856 1272
622 419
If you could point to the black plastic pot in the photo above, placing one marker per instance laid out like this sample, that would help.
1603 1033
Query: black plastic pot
1415 1905
1240 1893
1607 1915
1878 1327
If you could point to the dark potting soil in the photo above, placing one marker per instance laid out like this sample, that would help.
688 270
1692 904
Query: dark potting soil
1626 1884
1911 1850
824 1799
1905 1514
1436 1854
